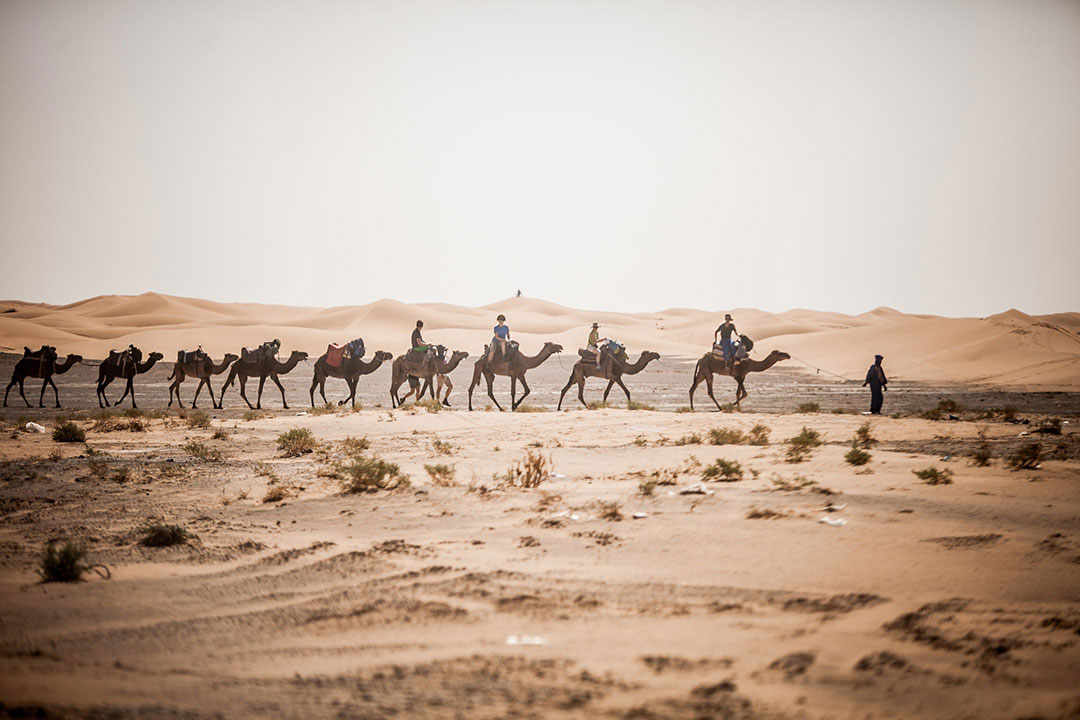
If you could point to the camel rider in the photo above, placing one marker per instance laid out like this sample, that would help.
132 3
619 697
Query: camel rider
594 342
725 331
418 344
500 338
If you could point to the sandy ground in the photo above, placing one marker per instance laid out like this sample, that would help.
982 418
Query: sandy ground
951 601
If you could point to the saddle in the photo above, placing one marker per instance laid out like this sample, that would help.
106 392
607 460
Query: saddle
335 354
264 352
355 348
46 352
122 358
416 356
189 356
511 350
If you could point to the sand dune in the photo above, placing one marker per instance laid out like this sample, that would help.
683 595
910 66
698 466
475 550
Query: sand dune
1009 349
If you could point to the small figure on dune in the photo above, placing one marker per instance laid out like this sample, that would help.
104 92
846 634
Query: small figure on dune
875 378
519 293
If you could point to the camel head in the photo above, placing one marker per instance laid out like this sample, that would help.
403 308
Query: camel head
649 356
230 358
553 347
156 356
298 354
75 358
778 356
383 356
457 356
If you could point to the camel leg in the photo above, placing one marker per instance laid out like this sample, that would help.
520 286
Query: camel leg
174 387
195 398
127 388
523 395
618 381
258 400
475 382
103 382
740 393
56 393
10 385
282 389
569 383
243 392
22 380
322 390
697 381
491 394
352 391
708 387
41 398
513 392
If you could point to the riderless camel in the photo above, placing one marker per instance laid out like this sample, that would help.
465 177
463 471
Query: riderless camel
39 364
350 371
124 365
199 366
262 366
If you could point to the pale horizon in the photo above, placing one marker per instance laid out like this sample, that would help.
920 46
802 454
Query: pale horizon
835 155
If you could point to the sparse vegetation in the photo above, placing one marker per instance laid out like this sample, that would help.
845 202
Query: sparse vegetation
296 442
933 476
763 514
723 471
1027 457
610 511
759 435
692 439
197 420
647 486
355 445
529 472
65 563
795 484
440 474
158 535
256 415
726 436
864 437
856 456
809 407
634 405
68 431
683 409
800 446
275 493
370 474
441 447
327 409
982 455
526 409
202 451
219 435
943 408
640 441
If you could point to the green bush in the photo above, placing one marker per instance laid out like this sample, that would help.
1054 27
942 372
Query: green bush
1027 457
157 535
809 407
864 438
68 431
369 474
723 471
692 439
933 476
63 564
759 435
197 420
440 474
726 436
202 451
857 457
295 442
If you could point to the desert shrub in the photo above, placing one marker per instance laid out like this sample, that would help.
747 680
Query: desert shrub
597 405
133 426
158 535
726 436
943 408
795 484
647 486
535 444
1008 413
528 409
256 415
723 471
295 442
692 439
763 514
442 447
634 405
864 438
440 474
220 434
933 476
369 474
122 474
432 406
856 456
610 511
801 445
759 435
982 455
355 445
1051 426
202 451
68 431
683 409
275 493
809 407
326 409
64 563
197 420
1027 457
528 472
640 441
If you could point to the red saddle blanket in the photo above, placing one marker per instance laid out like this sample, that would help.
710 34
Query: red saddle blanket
334 354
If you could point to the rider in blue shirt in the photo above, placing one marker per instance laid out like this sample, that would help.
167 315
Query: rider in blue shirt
501 337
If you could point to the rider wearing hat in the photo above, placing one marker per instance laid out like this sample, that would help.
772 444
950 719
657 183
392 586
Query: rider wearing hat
594 342
725 331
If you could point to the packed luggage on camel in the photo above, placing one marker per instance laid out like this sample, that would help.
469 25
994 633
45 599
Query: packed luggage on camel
604 358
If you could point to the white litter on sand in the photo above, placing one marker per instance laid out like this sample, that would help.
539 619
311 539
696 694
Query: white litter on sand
34 427
696 490
838 522
525 640
640 515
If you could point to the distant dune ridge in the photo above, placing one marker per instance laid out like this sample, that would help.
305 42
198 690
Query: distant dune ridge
1010 349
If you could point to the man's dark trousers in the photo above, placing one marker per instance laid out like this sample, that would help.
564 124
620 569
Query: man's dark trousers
877 397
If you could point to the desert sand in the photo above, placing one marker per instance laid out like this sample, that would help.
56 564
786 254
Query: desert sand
1010 349
461 594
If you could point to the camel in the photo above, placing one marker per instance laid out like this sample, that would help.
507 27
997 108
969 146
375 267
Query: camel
262 367
203 368
126 365
514 368
710 365
350 371
611 369
41 364
426 370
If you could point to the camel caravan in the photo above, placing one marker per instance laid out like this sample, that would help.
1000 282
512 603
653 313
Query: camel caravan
425 367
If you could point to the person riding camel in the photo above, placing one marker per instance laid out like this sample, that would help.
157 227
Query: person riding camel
725 331
594 342
500 339
418 343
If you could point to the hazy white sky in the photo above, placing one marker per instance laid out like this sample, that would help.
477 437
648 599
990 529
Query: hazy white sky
623 155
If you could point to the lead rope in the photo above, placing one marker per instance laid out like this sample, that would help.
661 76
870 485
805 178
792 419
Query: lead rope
822 370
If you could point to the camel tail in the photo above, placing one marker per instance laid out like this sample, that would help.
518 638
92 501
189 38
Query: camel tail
173 372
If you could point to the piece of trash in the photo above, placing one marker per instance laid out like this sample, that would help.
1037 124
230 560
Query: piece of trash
575 517
946 458
556 475
1025 433
561 514
835 508
299 414
838 522
696 490
640 515
670 492
34 427
525 640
